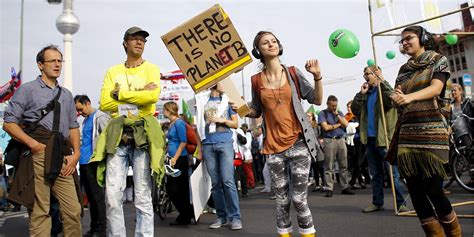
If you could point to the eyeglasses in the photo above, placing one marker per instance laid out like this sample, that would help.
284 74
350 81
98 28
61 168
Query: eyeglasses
143 40
366 75
406 39
54 61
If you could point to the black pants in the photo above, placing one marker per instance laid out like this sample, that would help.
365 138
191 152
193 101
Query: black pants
239 174
95 195
427 193
356 158
258 163
318 171
178 189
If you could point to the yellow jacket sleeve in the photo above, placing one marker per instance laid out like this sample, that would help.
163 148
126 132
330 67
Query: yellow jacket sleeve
143 97
107 103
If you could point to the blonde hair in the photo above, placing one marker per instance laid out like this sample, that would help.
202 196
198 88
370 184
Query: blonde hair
457 86
172 107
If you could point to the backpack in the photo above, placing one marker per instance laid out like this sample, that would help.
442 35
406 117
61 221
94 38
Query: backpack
192 139
294 76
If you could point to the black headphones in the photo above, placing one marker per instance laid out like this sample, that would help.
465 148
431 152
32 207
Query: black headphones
256 51
423 36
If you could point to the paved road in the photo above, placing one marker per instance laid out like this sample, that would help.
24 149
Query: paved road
336 216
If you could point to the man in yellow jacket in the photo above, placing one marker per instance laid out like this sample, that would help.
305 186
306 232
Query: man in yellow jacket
131 90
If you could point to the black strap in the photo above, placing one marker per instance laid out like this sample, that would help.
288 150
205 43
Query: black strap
57 112
45 111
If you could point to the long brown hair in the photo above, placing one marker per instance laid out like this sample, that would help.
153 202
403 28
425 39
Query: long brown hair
313 121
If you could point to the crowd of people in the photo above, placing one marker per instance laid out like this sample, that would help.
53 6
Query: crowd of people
290 151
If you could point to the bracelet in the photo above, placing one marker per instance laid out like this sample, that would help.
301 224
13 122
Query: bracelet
319 79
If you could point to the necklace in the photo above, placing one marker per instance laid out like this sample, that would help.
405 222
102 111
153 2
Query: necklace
128 66
279 87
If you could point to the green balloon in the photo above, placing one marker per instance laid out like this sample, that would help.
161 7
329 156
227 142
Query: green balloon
390 54
451 39
344 44
370 62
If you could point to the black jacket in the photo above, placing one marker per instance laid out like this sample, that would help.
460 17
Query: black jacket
462 125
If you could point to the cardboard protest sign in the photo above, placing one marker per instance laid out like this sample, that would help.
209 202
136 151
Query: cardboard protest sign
234 96
207 48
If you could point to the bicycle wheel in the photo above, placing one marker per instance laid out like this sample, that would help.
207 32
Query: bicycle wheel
155 197
163 208
462 171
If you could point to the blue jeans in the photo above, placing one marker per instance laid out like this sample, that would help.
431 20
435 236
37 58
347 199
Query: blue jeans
376 160
116 175
219 160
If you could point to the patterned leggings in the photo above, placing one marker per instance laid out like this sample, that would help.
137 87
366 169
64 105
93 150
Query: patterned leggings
296 161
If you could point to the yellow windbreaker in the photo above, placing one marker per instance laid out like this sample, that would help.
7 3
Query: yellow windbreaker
131 82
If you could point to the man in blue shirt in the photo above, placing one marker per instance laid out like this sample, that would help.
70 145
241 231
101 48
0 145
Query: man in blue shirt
366 106
94 123
215 118
333 126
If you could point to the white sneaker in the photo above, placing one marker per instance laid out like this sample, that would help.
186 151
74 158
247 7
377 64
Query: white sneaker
236 224
218 223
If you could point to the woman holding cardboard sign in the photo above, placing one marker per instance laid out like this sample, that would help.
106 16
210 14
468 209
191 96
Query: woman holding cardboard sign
289 140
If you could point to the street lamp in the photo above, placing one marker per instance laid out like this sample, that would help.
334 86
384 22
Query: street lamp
68 24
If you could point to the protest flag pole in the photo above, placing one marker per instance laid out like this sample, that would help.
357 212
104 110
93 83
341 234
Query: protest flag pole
382 110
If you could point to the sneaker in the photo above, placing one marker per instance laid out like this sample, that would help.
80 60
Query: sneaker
212 210
316 188
218 223
265 190
347 191
355 187
372 208
236 224
328 193
403 208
